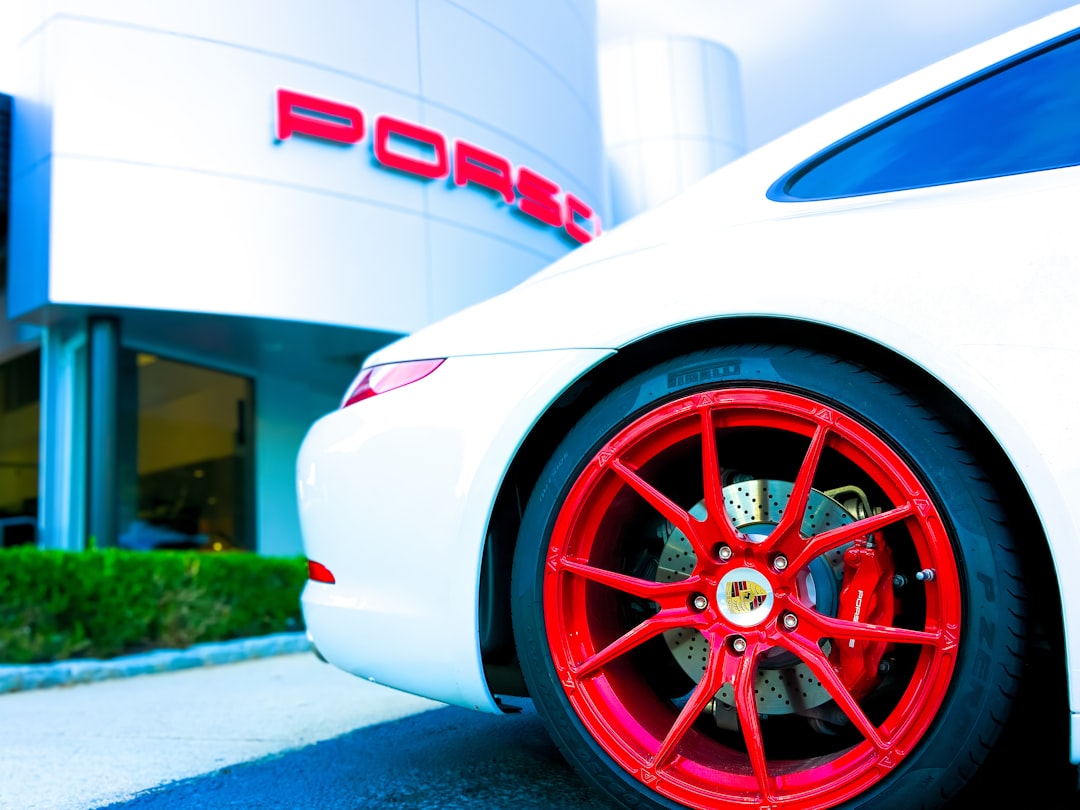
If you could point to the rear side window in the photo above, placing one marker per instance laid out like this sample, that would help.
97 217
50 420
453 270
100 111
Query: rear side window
1020 116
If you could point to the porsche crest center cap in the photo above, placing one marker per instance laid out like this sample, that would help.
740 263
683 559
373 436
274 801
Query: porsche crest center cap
745 597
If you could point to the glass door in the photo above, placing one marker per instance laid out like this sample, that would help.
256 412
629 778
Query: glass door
184 456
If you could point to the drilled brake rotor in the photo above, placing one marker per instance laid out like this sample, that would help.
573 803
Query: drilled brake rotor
782 683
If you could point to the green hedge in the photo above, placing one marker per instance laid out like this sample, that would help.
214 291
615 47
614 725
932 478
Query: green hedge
98 604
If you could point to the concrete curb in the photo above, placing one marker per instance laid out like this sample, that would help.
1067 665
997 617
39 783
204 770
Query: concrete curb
16 678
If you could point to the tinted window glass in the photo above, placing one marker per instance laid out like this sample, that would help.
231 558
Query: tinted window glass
20 420
1023 118
184 456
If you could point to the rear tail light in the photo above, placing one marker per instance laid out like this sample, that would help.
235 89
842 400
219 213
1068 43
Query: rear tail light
380 379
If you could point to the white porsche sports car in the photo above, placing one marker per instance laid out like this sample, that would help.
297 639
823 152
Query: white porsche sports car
766 498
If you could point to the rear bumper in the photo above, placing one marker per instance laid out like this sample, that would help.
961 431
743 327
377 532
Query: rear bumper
395 496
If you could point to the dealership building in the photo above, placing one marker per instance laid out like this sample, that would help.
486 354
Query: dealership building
211 212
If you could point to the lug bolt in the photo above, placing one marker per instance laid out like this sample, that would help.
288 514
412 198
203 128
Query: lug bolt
738 644
899 581
725 553
700 601
926 575
791 621
885 665
780 562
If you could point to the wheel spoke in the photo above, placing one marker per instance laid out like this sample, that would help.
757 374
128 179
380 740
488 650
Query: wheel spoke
717 672
646 589
714 485
828 627
791 522
725 668
749 722
650 628
674 513
800 552
820 665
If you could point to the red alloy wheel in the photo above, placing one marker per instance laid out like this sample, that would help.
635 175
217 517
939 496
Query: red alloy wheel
756 593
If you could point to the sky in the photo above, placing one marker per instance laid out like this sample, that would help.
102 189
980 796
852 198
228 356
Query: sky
801 58
798 58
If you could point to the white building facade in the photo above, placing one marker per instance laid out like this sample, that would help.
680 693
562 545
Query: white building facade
217 210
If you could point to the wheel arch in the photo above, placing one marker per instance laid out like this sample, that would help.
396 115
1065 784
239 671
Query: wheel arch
496 636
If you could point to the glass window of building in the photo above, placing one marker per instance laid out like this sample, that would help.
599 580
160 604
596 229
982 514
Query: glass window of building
20 411
184 456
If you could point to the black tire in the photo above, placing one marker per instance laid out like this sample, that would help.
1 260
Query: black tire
604 699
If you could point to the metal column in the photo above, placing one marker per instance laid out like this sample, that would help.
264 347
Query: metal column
103 386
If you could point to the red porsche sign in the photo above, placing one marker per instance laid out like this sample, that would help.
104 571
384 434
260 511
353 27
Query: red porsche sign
424 152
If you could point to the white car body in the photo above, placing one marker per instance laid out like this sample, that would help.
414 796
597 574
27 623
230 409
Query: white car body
397 492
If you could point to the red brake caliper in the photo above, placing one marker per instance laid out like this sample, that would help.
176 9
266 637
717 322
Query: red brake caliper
866 597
